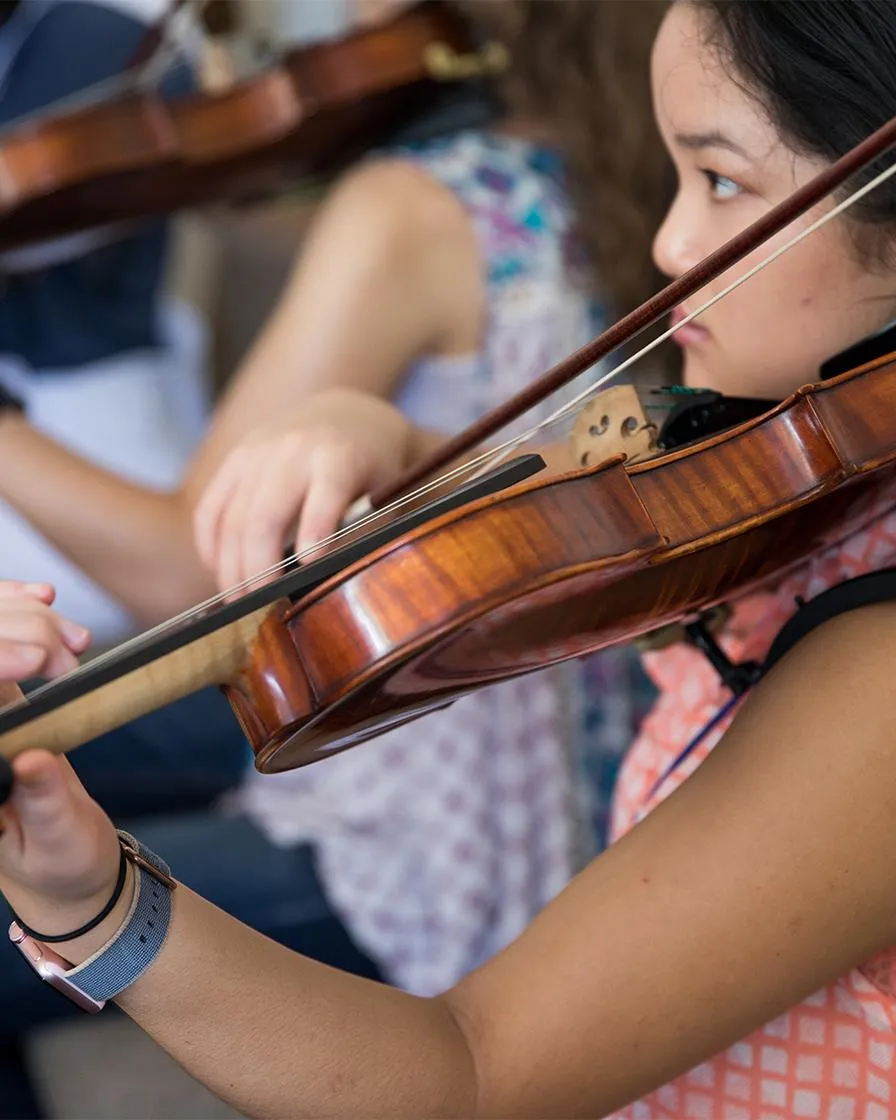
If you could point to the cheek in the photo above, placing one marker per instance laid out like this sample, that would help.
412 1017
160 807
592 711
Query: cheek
827 306
761 338
786 301
810 292
772 333
781 337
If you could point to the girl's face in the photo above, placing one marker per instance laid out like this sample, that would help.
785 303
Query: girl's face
769 336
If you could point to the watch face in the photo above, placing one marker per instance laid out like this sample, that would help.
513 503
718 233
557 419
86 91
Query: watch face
55 977
52 969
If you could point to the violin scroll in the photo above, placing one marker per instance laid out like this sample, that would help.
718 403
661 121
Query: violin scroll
445 64
315 109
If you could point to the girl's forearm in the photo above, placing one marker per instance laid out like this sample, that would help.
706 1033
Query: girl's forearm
134 542
277 1035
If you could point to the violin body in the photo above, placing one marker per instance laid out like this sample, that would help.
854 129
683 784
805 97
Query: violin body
482 586
140 155
535 574
562 568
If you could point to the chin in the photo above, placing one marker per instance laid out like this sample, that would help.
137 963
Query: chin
696 375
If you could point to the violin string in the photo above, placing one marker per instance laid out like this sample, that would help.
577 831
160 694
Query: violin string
200 609
491 456
485 461
503 450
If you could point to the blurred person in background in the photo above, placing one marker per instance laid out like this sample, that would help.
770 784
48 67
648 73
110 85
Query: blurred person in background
104 368
99 361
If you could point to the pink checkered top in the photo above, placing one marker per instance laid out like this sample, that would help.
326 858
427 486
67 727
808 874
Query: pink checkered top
832 1056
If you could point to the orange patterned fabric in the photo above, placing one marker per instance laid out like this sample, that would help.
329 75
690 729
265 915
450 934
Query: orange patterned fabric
832 1057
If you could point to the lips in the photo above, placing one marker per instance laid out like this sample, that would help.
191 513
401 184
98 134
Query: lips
689 335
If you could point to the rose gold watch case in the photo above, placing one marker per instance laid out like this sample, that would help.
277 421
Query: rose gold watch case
52 968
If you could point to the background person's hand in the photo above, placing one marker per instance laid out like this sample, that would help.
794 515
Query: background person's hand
35 641
290 485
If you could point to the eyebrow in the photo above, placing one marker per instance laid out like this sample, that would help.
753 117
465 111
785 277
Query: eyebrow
697 140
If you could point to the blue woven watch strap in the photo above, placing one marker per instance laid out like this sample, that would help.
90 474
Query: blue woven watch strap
137 944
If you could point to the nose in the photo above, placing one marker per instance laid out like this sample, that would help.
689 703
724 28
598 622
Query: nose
674 251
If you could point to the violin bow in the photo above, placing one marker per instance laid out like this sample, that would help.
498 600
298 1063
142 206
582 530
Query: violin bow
365 513
637 321
629 327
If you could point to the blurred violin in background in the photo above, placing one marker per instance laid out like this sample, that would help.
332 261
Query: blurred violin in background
123 151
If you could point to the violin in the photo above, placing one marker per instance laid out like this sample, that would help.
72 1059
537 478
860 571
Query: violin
134 154
513 572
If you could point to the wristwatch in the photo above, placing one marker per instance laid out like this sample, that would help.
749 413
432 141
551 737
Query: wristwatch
127 955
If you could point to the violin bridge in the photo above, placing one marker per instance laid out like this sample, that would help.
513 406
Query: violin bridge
612 423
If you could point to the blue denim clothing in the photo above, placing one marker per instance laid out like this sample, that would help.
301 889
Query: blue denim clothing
275 890
104 302
178 759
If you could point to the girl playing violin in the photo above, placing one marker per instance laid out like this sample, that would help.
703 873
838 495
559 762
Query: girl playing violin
732 953
368 315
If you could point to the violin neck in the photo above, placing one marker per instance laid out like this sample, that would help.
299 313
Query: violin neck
211 660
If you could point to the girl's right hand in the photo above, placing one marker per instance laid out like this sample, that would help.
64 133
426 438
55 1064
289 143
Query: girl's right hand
35 641
288 485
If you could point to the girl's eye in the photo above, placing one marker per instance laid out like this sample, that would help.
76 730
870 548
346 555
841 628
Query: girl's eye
720 186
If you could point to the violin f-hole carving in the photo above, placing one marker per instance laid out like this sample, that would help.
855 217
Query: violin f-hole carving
613 423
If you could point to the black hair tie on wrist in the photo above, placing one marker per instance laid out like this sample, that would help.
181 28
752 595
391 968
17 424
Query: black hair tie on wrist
93 923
